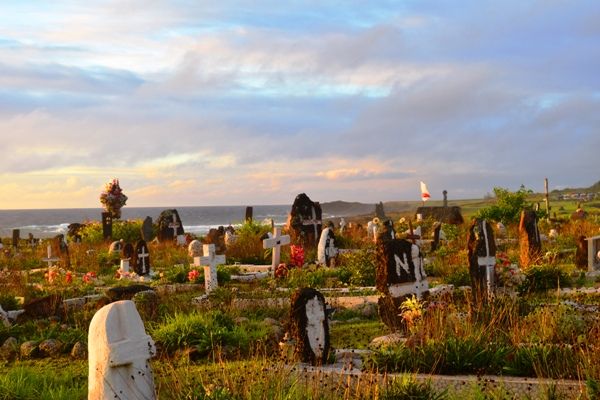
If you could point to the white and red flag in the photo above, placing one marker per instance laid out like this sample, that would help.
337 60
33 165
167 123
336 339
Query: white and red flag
424 192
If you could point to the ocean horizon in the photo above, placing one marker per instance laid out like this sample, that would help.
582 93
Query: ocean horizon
44 223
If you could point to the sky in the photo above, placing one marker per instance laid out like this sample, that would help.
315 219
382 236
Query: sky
192 103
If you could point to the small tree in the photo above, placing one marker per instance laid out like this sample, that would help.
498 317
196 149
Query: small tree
508 205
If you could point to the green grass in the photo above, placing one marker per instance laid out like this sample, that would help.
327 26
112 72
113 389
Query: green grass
356 335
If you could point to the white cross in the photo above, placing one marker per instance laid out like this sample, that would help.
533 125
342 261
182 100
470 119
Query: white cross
143 256
275 242
314 222
210 261
174 225
50 260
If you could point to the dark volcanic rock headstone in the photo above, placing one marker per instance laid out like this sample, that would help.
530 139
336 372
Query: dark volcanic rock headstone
249 212
166 232
482 259
387 231
147 230
581 254
216 237
16 237
128 252
437 227
305 220
74 232
400 275
379 211
107 225
125 292
61 249
309 326
142 258
529 239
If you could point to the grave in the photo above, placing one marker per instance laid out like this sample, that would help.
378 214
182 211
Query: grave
593 253
400 275
482 259
115 247
530 242
249 212
275 241
448 215
169 226
50 259
147 230
309 326
119 353
16 237
581 253
210 260
142 258
107 225
326 250
216 237
127 256
379 211
74 232
195 248
304 220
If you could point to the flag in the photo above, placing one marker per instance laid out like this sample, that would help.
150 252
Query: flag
424 192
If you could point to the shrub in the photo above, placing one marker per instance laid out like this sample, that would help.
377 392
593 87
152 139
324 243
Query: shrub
543 277
247 247
357 268
508 205
408 388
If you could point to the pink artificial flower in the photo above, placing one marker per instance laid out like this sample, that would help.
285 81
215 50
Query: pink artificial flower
68 278
89 277
193 275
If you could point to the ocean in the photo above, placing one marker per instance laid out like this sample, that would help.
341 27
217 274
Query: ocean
196 220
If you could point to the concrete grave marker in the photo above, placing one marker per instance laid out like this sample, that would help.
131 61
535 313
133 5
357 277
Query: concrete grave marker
326 250
275 242
127 255
309 326
50 259
142 258
400 275
593 253
119 353
210 260
482 259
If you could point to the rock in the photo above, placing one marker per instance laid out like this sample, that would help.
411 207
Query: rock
125 292
240 320
29 349
79 351
388 340
368 310
43 307
270 321
50 348
4 317
216 237
10 349
276 333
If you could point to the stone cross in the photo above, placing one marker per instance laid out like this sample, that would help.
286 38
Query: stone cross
50 260
210 260
275 242
142 264
174 225
119 352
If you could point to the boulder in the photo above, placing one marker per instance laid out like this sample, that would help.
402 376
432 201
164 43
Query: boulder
50 348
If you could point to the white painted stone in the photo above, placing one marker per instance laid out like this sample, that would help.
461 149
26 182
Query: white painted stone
275 242
315 331
324 251
119 352
210 260
195 248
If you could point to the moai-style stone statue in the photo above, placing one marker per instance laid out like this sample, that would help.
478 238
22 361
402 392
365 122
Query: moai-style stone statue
400 275
119 353
482 260
529 238
309 326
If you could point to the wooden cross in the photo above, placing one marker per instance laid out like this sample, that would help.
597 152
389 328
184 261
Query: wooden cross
275 242
210 260
174 225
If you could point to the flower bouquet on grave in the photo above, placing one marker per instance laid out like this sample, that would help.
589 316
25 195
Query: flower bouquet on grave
297 256
508 274
113 199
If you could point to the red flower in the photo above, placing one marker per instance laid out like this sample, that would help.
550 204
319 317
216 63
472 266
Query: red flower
193 275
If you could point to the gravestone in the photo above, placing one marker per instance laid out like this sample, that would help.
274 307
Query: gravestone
309 326
372 228
74 232
195 248
147 230
593 253
51 259
210 260
142 258
445 194
169 226
387 231
326 250
61 249
482 259
115 247
249 212
437 227
342 225
581 254
16 237
106 225
275 241
400 275
379 212
304 221
119 353
530 241
216 237
448 215
127 257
